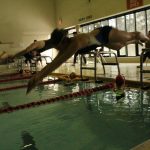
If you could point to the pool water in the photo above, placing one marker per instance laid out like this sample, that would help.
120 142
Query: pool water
94 122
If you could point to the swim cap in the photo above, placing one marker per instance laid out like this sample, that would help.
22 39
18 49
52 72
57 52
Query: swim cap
120 80
72 75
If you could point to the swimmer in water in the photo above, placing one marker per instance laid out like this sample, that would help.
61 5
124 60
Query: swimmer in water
119 87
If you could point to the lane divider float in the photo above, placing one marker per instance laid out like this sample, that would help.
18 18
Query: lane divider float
25 85
9 74
33 104
16 78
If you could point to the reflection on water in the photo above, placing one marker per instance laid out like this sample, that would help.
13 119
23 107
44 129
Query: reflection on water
5 105
93 122
28 141
134 107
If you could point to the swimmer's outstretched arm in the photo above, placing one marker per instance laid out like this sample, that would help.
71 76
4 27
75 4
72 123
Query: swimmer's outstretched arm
62 56
3 53
34 46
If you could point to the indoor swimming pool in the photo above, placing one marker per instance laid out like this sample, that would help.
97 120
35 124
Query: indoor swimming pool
92 122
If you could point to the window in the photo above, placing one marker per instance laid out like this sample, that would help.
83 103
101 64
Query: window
96 25
104 23
70 32
148 19
140 17
112 22
85 29
121 26
134 20
91 27
130 26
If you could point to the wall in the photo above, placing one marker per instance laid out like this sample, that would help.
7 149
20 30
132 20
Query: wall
70 11
22 21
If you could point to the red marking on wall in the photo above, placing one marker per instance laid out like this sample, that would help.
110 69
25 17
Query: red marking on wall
134 3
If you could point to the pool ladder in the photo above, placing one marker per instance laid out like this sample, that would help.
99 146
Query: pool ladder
88 68
19 63
104 63
142 71
100 54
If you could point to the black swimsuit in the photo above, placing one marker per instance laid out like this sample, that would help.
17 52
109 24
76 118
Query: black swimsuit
87 49
28 57
103 35
48 45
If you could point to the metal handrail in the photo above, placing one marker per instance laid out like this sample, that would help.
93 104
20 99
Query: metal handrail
99 54
46 59
90 68
144 50
105 63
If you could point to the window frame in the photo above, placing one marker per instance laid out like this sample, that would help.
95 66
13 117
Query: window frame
124 14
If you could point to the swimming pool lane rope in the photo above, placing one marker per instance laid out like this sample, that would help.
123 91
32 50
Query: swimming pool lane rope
15 78
25 85
9 74
56 99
